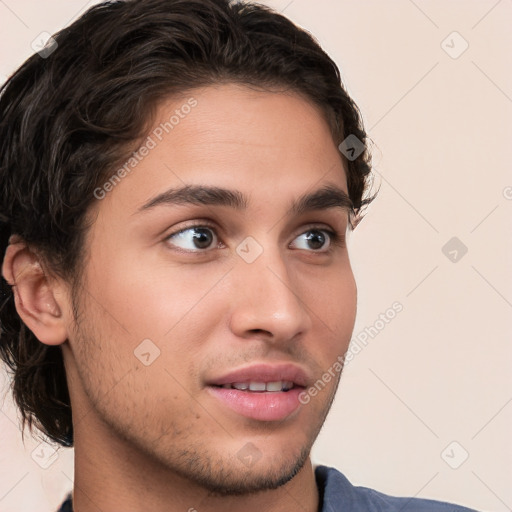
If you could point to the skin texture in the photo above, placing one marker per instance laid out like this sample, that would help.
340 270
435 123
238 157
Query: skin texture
152 437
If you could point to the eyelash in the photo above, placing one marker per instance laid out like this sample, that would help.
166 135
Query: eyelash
336 238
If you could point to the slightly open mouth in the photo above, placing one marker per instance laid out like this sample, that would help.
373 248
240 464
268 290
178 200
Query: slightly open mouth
259 387
258 399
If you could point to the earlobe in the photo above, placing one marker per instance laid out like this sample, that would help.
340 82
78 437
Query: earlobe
35 294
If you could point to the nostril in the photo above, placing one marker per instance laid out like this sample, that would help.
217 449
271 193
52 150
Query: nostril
261 331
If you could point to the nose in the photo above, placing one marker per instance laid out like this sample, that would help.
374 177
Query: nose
268 300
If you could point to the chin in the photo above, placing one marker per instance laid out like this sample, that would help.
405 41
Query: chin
265 474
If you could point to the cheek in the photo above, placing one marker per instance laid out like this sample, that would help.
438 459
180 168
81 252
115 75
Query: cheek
342 304
332 303
176 307
331 297
149 300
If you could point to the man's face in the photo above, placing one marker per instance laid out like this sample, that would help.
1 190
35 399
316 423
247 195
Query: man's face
168 310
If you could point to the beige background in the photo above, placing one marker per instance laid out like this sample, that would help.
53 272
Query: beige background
439 372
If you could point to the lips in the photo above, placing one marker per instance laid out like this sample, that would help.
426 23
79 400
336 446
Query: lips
261 392
264 373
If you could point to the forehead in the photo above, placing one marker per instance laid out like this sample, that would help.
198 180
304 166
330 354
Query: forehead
235 137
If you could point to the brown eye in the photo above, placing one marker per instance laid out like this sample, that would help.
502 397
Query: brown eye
317 240
193 238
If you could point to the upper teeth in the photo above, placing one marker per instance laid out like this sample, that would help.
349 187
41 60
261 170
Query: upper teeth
280 385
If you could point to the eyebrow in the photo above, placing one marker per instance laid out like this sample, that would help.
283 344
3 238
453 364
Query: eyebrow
329 196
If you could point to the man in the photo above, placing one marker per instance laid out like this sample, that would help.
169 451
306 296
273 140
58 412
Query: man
178 178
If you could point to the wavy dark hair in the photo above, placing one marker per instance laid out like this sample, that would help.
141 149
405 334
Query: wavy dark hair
72 112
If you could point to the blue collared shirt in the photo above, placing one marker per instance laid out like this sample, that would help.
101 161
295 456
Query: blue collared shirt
337 494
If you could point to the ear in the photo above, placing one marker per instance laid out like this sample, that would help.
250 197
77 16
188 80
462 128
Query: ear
38 298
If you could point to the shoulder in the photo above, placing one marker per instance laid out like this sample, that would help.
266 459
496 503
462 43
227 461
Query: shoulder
340 495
